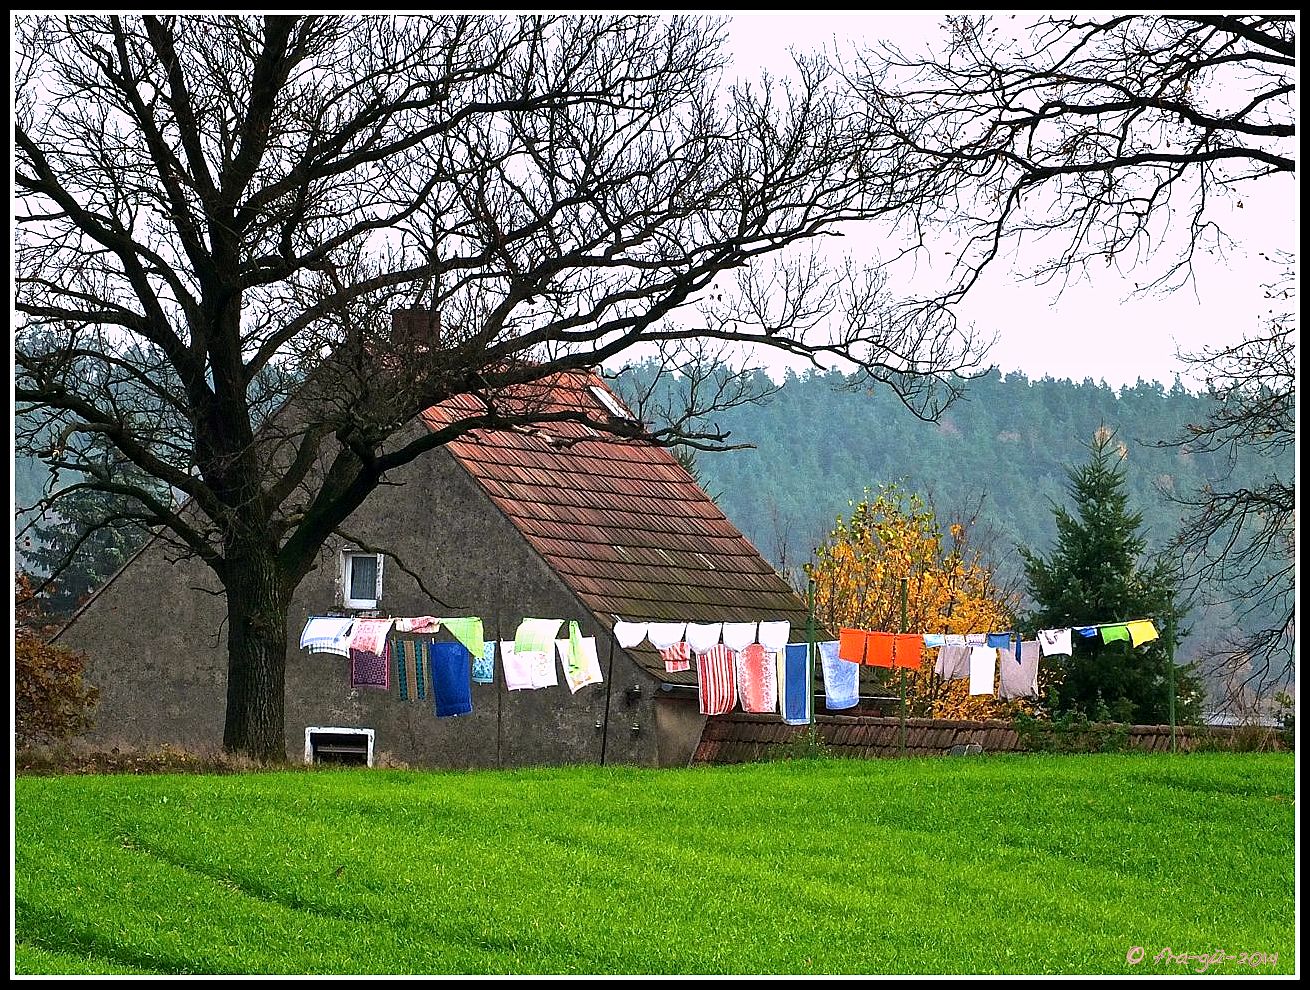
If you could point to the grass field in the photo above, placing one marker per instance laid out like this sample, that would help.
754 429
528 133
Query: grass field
1008 864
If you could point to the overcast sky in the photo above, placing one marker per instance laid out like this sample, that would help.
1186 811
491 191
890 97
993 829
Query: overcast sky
1096 329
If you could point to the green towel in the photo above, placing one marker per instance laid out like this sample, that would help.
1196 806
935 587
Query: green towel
536 636
1111 633
468 631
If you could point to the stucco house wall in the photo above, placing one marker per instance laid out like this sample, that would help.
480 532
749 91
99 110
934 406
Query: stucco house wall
157 643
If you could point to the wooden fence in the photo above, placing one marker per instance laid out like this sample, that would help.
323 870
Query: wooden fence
742 738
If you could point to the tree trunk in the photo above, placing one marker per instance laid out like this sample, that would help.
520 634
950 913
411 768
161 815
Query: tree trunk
257 606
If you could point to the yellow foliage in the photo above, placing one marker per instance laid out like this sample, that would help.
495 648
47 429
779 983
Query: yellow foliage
893 535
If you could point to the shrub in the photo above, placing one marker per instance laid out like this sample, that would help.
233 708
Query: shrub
51 701
1072 732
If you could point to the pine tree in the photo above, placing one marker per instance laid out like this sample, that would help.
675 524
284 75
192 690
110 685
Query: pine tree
84 540
1096 573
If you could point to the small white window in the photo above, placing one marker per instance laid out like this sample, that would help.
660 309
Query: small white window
361 579
609 402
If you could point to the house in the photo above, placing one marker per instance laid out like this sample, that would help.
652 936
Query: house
552 521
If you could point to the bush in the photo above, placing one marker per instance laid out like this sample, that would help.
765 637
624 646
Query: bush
1072 732
51 701
807 745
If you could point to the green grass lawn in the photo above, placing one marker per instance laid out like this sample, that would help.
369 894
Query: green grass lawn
1007 864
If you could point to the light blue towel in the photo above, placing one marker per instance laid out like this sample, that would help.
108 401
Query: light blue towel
484 667
795 686
933 640
841 679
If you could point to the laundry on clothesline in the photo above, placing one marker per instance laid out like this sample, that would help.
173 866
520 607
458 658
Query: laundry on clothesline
982 669
676 658
952 662
484 664
370 656
716 680
327 634
517 667
700 636
908 650
450 668
1142 631
757 679
795 696
630 634
410 656
1019 680
841 680
537 635
581 666
739 635
1055 642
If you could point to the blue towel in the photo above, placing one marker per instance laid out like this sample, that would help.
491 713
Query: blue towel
841 679
1007 641
451 693
796 686
1085 631
933 640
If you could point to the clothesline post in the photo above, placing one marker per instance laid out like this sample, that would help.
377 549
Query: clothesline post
904 594
1169 652
809 654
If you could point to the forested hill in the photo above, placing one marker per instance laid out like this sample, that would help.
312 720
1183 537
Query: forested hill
820 441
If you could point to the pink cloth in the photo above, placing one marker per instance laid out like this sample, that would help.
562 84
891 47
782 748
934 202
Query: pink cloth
370 635
757 681
714 674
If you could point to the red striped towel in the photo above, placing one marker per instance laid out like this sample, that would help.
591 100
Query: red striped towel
676 657
718 685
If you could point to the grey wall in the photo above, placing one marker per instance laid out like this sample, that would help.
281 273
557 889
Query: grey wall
158 648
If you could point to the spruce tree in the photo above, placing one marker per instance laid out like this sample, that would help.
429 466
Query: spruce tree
1096 573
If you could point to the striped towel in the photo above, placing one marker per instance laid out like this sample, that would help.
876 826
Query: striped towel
451 694
676 657
409 656
714 674
757 684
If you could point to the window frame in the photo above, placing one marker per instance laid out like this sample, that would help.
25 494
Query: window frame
347 568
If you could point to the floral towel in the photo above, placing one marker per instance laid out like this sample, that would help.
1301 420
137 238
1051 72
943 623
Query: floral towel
484 663
757 685
581 667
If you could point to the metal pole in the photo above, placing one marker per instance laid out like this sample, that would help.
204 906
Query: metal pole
1173 705
904 593
809 654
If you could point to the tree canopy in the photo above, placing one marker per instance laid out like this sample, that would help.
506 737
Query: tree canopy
219 210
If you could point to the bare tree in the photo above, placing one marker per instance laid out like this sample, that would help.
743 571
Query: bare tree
215 213
1242 540
1097 141
1094 136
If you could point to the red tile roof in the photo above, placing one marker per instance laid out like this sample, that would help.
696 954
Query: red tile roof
621 522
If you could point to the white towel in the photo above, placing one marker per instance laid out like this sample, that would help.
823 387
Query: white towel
630 634
420 624
982 669
774 635
324 634
517 667
662 635
976 639
953 639
581 666
1056 642
702 635
841 680
738 635
545 672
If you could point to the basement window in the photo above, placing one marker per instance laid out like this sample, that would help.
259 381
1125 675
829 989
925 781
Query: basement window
334 744
361 579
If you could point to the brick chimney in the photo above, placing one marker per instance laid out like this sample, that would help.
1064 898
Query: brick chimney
412 329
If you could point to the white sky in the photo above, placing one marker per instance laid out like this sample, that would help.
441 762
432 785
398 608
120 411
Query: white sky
1095 329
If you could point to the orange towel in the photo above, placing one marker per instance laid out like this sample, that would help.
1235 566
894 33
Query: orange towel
909 650
850 645
878 652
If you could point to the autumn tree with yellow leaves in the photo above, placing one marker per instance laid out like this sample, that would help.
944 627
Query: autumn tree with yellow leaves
894 534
